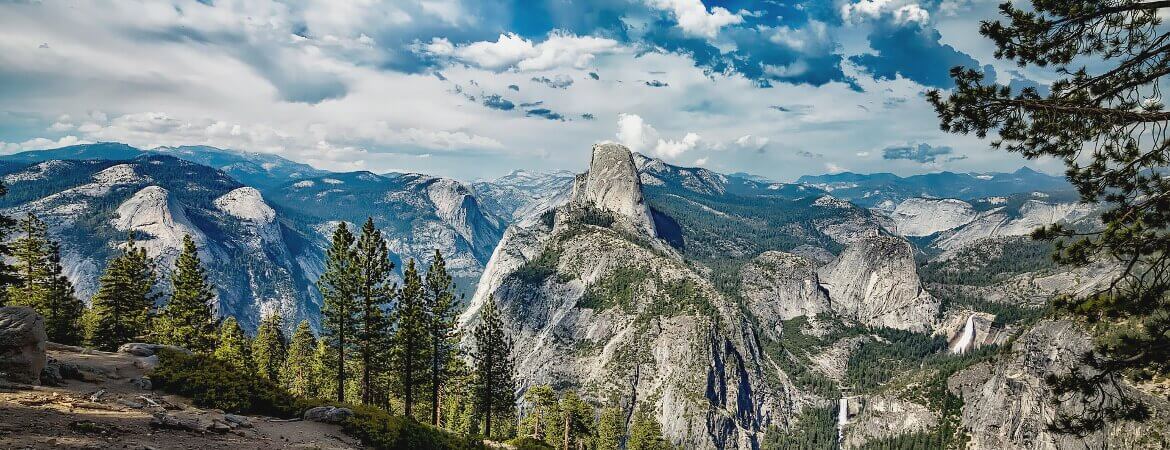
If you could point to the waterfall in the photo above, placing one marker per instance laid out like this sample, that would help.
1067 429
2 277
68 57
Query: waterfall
842 417
966 338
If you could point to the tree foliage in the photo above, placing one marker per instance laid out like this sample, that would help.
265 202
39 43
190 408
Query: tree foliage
494 373
339 286
41 285
441 311
296 374
270 347
411 343
120 310
375 291
187 320
233 346
1105 119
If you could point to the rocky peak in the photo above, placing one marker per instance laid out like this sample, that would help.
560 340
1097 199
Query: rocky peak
612 184
874 282
158 221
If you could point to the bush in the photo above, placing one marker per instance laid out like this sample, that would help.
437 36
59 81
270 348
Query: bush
528 443
211 383
380 430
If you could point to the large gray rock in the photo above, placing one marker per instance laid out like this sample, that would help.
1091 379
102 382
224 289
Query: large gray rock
613 184
142 349
780 286
1008 402
875 282
328 414
22 344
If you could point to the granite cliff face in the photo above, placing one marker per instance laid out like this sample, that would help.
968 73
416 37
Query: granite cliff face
607 309
874 282
780 286
1009 404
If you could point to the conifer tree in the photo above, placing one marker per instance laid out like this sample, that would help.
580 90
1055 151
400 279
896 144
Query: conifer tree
324 370
375 292
441 313
339 286
233 346
270 347
187 320
120 310
296 374
646 432
495 380
611 428
411 343
41 284
576 421
543 419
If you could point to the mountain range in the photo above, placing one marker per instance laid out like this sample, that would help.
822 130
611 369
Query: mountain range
741 310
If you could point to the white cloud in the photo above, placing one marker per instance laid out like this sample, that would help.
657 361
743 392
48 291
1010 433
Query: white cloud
635 133
701 161
693 18
834 168
510 50
902 11
748 141
39 144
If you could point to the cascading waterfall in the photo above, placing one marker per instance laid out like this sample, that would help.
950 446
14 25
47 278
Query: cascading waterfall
966 338
842 417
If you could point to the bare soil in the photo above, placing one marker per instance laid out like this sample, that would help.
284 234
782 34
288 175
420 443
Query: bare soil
76 416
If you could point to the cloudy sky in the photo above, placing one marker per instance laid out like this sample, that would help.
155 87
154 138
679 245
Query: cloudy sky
476 88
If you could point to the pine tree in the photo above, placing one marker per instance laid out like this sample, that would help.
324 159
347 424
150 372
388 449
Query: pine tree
339 286
270 347
441 313
7 272
646 432
411 343
494 373
375 292
296 374
41 284
543 419
576 421
233 346
187 320
611 428
324 370
120 310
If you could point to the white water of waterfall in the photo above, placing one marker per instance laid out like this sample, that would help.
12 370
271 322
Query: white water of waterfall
842 417
966 338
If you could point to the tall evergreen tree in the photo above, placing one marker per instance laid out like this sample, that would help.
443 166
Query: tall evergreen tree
411 343
1106 120
120 310
297 372
543 419
187 320
41 284
324 369
576 421
441 313
233 346
375 292
7 272
270 347
611 428
495 381
646 432
339 288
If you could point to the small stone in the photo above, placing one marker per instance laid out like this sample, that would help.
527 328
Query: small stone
239 421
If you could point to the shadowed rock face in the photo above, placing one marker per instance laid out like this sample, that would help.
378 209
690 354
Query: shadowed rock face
874 282
780 286
22 344
613 184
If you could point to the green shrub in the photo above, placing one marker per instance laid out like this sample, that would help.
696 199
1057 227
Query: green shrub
211 383
528 443
380 430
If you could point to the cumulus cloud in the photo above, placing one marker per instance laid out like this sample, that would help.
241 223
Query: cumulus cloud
754 143
639 136
901 11
40 144
693 18
556 82
510 50
923 153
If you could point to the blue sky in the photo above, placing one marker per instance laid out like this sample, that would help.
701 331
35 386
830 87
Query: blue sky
476 88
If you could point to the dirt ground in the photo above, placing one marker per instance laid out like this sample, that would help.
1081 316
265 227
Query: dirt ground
109 410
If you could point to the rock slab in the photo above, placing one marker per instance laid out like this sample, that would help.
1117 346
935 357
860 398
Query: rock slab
22 344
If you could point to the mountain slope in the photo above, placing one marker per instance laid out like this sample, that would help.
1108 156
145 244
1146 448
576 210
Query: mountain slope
885 190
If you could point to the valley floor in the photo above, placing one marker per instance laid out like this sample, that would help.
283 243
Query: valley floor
74 416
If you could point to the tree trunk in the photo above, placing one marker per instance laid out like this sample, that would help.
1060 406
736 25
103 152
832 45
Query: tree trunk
435 378
568 420
341 366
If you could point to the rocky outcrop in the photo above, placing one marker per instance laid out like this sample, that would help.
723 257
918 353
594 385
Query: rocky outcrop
926 216
613 184
328 414
881 417
1009 404
22 344
874 282
158 222
780 286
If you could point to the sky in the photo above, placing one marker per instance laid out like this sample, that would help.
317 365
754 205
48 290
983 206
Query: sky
473 89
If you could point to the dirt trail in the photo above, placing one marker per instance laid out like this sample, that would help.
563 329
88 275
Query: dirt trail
111 410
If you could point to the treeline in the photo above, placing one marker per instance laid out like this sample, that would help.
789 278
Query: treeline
568 422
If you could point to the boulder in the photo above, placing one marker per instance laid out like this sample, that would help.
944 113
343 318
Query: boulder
173 422
238 421
328 414
22 344
142 349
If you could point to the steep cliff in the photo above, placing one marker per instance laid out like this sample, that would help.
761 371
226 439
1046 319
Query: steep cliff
874 282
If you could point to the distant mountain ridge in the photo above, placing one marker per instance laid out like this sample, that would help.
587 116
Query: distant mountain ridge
886 190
